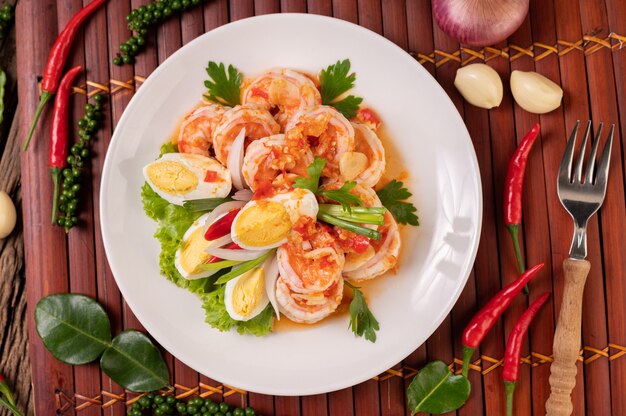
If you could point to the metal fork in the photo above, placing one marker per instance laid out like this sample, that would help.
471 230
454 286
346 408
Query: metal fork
581 197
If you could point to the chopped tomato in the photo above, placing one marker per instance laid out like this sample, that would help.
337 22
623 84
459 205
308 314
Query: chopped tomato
351 242
257 92
210 176
304 226
369 117
264 190
313 141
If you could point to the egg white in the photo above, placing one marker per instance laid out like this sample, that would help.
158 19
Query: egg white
228 300
298 203
198 165
198 224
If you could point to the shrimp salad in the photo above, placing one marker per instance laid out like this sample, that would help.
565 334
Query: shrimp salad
270 202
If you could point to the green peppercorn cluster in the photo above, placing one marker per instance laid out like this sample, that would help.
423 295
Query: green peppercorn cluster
79 152
141 19
6 17
152 404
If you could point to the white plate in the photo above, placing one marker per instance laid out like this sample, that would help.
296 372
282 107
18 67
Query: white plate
436 257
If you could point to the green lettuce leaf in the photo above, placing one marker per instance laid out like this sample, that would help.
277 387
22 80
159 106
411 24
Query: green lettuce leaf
260 325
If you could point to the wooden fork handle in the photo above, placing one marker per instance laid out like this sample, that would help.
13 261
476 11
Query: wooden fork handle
566 346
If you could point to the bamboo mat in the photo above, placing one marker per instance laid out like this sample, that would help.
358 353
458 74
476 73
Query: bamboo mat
576 43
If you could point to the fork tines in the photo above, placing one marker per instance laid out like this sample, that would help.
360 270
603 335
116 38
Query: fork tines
600 175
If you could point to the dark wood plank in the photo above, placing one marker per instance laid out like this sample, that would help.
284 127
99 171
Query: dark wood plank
80 239
266 7
323 7
293 6
370 15
240 9
345 9
108 293
603 100
341 402
286 405
47 372
316 405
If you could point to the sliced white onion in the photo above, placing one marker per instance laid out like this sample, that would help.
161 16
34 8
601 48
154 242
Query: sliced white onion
236 254
234 163
270 269
221 210
306 245
243 195
222 241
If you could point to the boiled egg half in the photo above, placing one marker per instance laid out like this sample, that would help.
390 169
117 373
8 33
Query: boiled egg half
177 177
245 296
191 253
266 223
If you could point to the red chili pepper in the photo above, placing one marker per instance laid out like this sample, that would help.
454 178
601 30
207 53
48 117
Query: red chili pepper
231 246
56 61
221 227
486 317
57 157
513 190
210 176
514 346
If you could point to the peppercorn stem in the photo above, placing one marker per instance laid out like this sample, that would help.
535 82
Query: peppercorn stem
45 97
467 356
509 388
55 196
514 232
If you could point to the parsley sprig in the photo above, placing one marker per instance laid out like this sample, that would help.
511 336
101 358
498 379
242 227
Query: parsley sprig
224 86
362 321
314 171
393 196
335 81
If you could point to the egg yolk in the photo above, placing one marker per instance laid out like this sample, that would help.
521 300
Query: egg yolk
192 253
264 223
248 291
172 177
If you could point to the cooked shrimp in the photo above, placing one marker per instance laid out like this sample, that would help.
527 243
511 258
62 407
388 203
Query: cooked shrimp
311 307
368 144
258 123
196 130
311 260
267 157
386 253
328 133
282 92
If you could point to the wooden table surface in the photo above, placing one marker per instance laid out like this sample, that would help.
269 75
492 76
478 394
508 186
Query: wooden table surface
575 43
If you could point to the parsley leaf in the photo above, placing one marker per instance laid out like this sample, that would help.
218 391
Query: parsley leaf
392 197
335 81
343 196
314 171
362 321
224 87
348 106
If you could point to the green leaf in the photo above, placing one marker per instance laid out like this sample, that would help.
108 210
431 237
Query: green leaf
133 362
3 81
243 267
258 326
436 390
314 171
215 311
153 205
362 321
74 328
392 196
168 147
336 80
343 196
348 106
224 87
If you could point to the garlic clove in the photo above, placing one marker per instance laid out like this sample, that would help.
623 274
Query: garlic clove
8 216
480 85
352 164
534 92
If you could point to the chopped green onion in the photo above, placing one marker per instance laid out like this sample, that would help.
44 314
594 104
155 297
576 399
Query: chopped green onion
206 204
333 209
219 265
375 219
358 229
244 267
